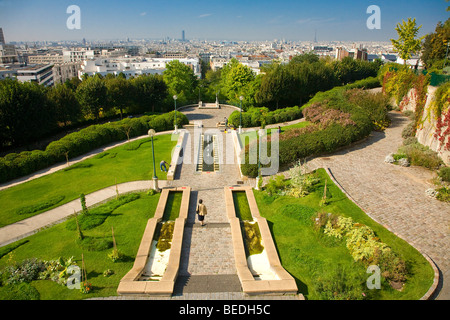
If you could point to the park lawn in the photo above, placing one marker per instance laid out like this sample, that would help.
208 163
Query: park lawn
250 136
310 255
129 162
129 222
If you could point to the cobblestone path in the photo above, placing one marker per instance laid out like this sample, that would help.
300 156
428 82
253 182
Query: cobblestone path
394 196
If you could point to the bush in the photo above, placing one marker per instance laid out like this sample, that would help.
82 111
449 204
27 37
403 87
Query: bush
276 185
443 194
420 155
77 143
444 174
256 117
409 131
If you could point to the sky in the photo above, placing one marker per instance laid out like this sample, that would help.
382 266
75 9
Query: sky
299 20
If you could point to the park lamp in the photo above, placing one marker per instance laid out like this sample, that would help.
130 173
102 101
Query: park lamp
151 133
175 123
240 115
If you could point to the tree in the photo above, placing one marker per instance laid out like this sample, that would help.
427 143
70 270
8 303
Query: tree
407 44
235 79
119 93
181 81
276 87
25 112
308 57
66 106
92 95
149 92
435 45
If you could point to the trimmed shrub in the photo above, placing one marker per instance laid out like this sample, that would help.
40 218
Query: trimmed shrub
15 165
444 173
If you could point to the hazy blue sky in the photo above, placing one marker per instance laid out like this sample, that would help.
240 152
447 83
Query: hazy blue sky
31 20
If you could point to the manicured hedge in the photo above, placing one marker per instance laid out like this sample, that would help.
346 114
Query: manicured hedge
16 165
255 117
318 139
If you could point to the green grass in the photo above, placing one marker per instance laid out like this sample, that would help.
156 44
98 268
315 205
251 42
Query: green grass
128 220
129 162
311 256
248 137
173 204
241 206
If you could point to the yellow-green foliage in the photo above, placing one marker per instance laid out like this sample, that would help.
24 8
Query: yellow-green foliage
361 241
441 100
165 236
253 238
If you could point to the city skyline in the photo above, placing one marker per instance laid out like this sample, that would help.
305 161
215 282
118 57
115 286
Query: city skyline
46 20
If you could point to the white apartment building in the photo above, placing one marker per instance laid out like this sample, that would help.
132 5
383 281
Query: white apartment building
45 59
78 55
41 74
8 53
133 67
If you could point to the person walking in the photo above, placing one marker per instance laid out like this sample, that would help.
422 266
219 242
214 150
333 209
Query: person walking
162 166
202 212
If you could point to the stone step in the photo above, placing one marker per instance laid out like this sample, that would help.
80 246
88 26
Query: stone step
207 283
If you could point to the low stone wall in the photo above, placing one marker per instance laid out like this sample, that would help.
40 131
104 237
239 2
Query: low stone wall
177 155
130 284
285 283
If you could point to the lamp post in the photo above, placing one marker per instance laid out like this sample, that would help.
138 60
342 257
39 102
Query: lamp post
175 124
151 133
240 115
258 178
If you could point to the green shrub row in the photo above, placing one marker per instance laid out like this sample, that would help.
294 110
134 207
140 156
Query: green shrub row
323 139
256 117
15 165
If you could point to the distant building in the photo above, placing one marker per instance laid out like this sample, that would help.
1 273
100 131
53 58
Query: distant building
218 63
388 58
133 67
355 53
65 71
323 50
2 38
8 53
40 73
78 55
46 59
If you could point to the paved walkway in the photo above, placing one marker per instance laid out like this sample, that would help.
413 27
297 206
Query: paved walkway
393 195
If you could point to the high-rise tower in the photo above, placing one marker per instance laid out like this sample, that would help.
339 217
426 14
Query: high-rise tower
182 36
2 38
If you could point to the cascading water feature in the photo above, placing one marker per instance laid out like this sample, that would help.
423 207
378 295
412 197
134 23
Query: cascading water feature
208 157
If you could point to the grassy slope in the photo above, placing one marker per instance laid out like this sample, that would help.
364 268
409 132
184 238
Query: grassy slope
129 222
128 162
309 255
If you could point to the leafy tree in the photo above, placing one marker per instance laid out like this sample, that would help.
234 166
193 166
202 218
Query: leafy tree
407 44
66 106
308 57
235 79
276 87
119 92
180 80
92 96
435 45
149 92
25 112
72 83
